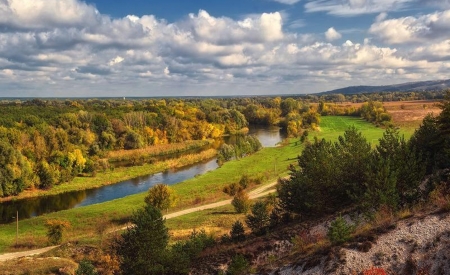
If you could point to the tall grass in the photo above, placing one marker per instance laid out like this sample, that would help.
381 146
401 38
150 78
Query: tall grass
157 150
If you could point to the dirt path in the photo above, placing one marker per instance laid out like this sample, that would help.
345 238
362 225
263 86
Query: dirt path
258 192
15 255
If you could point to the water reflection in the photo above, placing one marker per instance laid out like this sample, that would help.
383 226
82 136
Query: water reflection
268 136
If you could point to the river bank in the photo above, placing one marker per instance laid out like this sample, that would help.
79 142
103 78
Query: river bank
116 175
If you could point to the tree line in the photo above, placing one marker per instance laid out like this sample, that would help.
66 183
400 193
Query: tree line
48 142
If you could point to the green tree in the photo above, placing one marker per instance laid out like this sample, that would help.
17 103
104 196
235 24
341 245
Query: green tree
161 196
238 266
339 231
237 232
48 174
142 248
15 170
259 218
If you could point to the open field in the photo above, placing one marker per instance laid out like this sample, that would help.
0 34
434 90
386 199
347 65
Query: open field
88 222
331 127
408 115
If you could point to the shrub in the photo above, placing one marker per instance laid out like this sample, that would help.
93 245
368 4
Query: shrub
244 181
55 229
238 266
237 232
340 231
259 219
85 268
241 202
161 197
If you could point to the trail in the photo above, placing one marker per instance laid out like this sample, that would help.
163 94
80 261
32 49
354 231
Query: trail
256 193
15 255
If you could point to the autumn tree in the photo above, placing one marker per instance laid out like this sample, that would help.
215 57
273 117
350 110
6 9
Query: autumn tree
161 196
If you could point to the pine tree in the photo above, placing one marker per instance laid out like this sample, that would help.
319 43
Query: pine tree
142 248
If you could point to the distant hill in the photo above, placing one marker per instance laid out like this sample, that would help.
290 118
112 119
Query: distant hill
432 85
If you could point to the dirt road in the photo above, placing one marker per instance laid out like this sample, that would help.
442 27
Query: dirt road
258 192
15 255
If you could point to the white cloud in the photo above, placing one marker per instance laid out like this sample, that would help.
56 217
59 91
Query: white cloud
84 53
331 34
413 29
380 17
356 7
46 13
287 2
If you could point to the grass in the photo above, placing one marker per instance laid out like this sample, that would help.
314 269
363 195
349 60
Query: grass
117 175
331 127
269 162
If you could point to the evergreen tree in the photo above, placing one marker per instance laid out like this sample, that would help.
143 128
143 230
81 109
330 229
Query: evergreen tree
142 248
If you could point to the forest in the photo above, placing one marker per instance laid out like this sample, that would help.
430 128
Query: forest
45 142
48 142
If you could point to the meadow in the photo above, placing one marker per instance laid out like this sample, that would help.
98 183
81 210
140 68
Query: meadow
88 224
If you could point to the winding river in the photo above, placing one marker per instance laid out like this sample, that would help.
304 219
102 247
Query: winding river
268 136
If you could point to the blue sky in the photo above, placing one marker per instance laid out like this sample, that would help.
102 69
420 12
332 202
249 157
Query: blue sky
218 47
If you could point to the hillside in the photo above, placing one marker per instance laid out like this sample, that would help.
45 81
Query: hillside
431 85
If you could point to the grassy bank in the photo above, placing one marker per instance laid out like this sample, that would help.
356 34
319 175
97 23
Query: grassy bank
269 163
117 175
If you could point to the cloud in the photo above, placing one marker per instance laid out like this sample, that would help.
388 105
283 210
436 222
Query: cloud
331 34
356 7
81 52
413 29
380 17
34 14
287 2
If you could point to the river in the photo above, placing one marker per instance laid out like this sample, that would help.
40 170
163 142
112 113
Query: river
268 136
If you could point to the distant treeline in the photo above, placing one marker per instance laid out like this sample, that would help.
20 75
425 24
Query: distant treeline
48 142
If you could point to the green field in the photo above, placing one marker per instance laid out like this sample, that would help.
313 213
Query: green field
331 127
269 163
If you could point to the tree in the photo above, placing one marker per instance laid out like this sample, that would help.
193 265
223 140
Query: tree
161 196
238 266
237 232
15 170
259 218
241 202
142 247
55 230
340 231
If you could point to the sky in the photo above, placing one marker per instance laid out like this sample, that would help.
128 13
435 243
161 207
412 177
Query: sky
116 48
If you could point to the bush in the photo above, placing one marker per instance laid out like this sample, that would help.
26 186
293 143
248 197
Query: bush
238 266
241 202
55 229
86 268
237 232
244 181
340 231
259 219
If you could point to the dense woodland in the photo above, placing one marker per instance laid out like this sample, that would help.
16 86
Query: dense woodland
45 142
48 142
